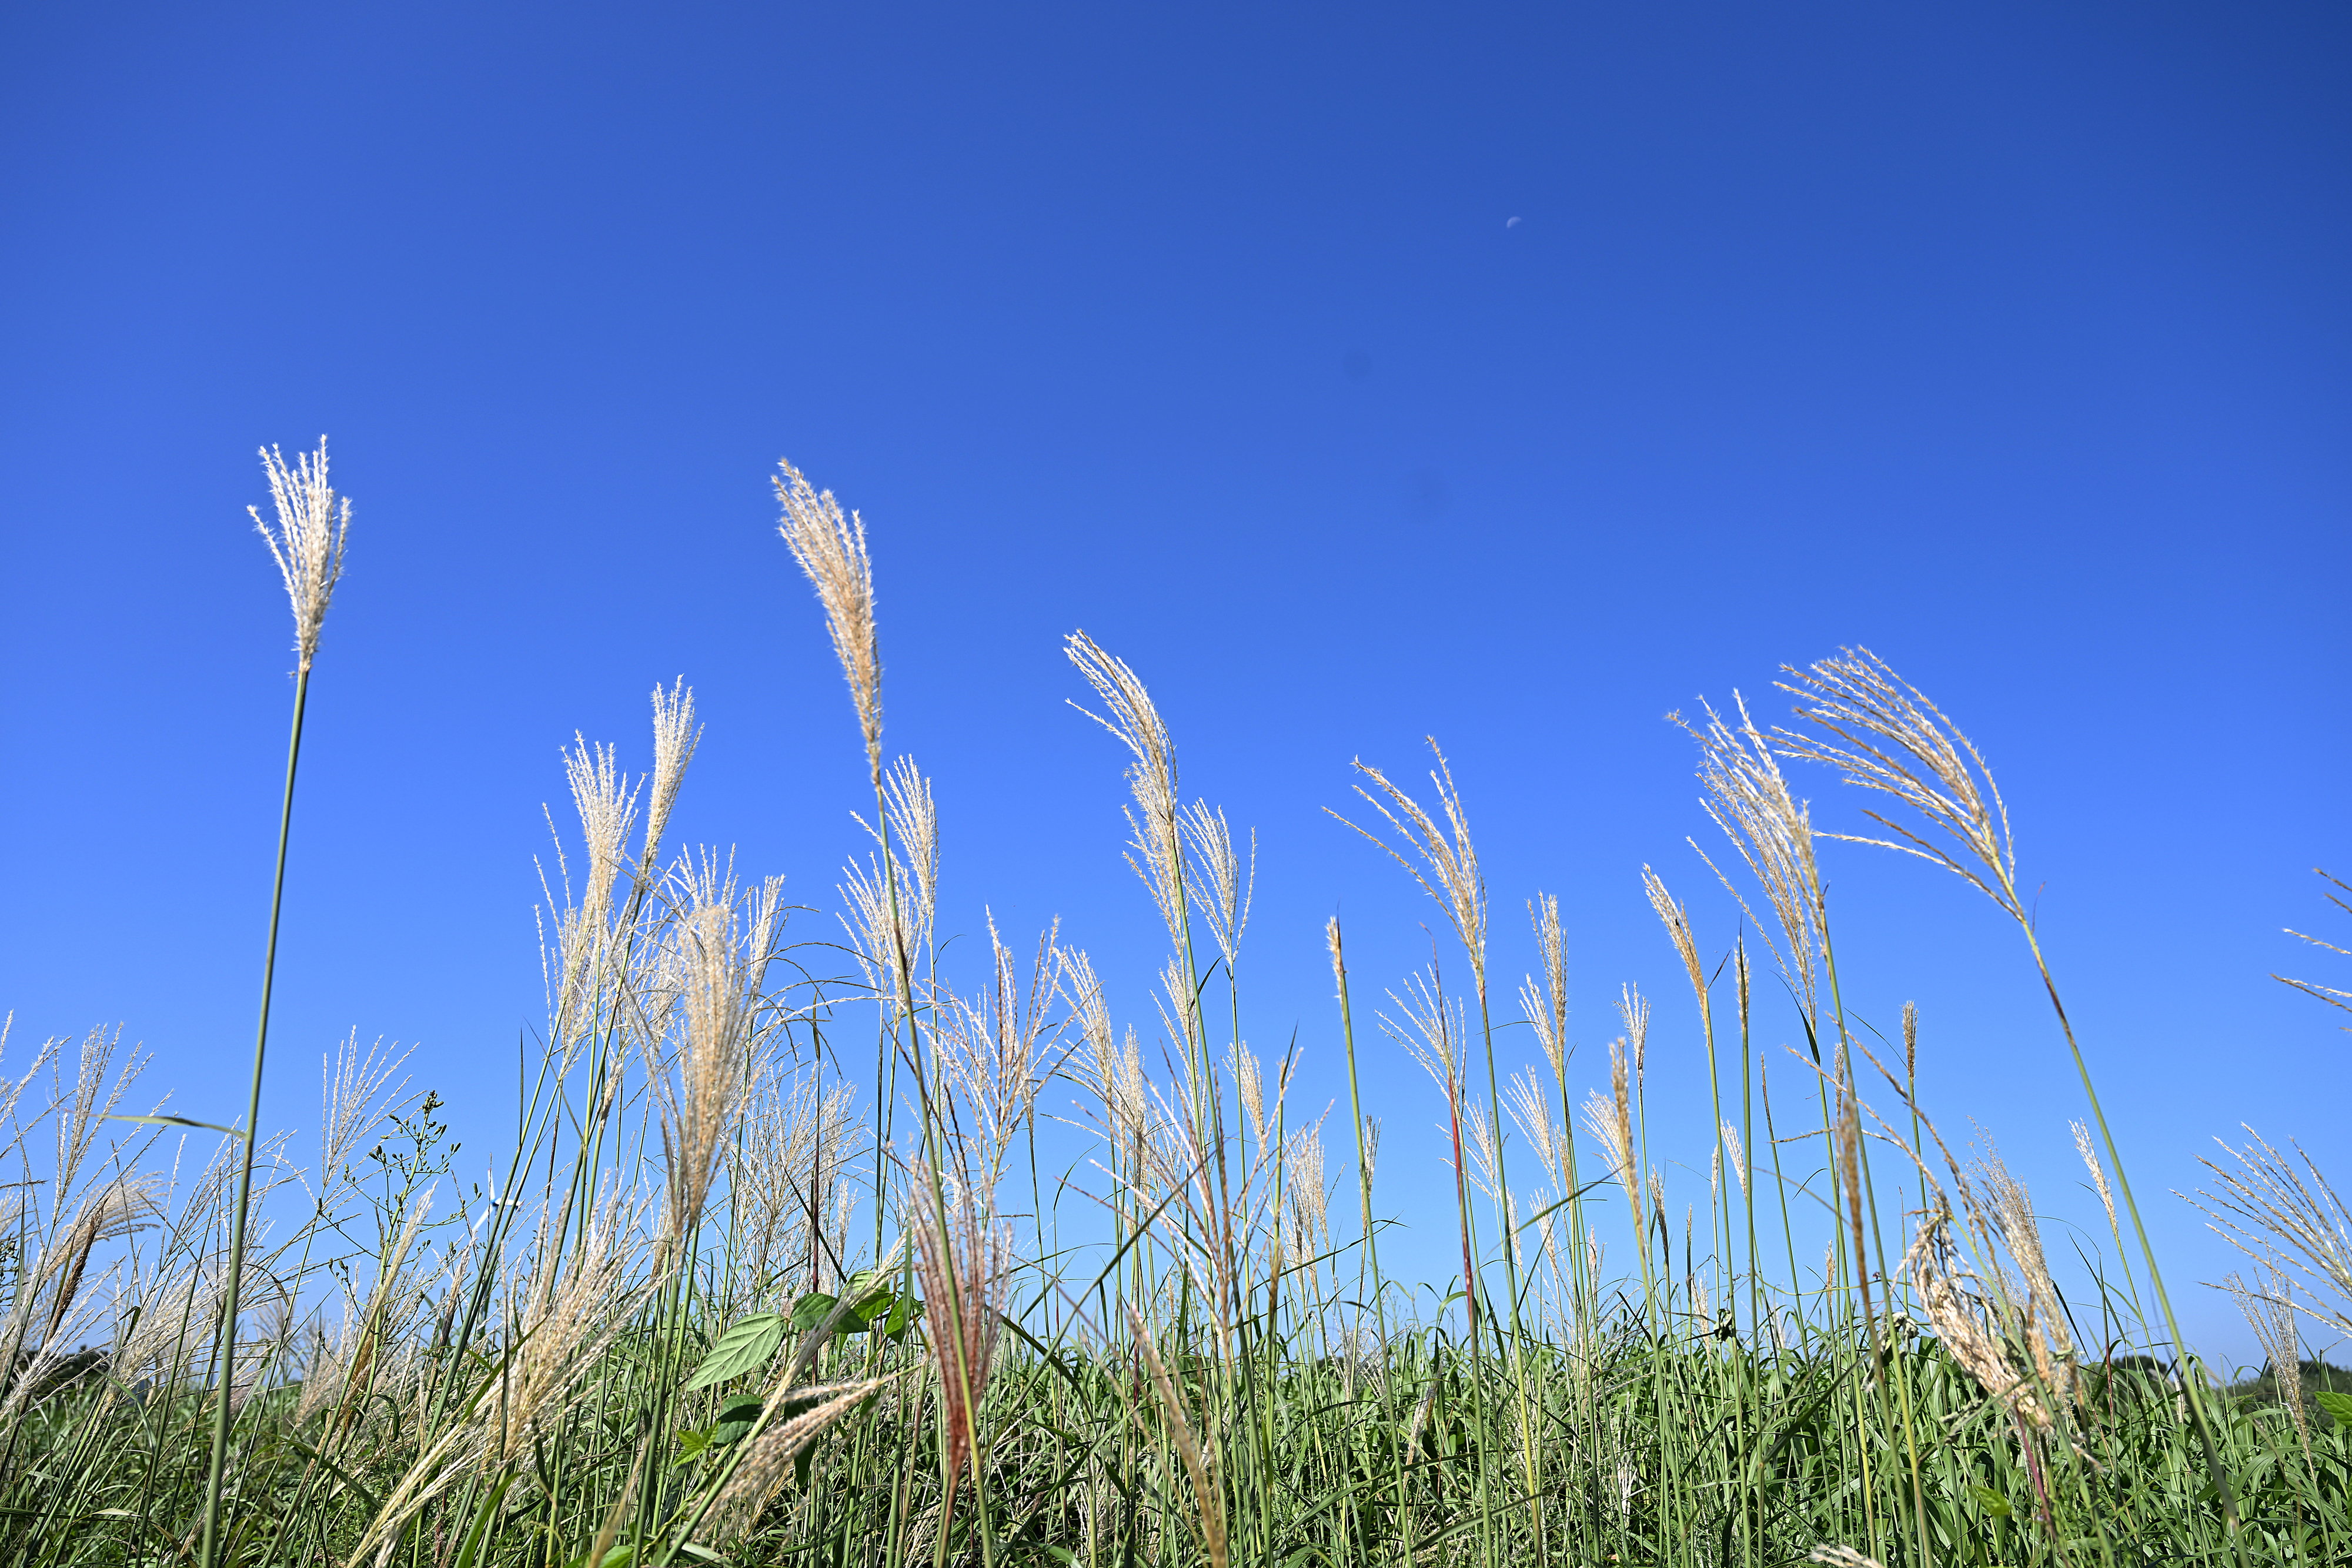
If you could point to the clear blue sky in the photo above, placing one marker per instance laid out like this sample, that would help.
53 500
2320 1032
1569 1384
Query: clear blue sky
1509 374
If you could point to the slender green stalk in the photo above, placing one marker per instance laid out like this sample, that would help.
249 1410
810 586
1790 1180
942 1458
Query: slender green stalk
223 1358
2188 1380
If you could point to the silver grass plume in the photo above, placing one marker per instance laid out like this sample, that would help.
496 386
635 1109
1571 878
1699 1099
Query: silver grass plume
1969 1327
2269 1311
1082 991
1675 917
1431 1033
831 551
1249 1082
1179 1005
914 824
789 1165
2270 1209
1158 851
1546 1008
676 735
575 1304
894 894
1891 740
1448 868
1308 1192
91 1101
770 1459
51 1278
718 953
1530 1105
989 1050
1118 1077
1748 798
1633 1007
1484 1147
2011 1210
308 543
1840 1557
1225 900
2334 996
358 1094
2099 1176
606 802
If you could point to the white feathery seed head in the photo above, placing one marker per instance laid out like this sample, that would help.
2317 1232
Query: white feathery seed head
1748 798
1447 868
1249 1082
1889 738
1546 1007
1158 852
676 735
308 543
830 548
2098 1173
1225 899
1434 1030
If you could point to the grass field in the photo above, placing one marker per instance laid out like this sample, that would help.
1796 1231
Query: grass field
717 1311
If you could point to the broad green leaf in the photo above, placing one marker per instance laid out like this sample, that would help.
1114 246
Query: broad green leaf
735 1418
903 1308
2338 1405
810 1310
1994 1503
691 1444
744 1347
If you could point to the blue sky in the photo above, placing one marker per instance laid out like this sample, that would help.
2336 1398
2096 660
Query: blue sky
1512 375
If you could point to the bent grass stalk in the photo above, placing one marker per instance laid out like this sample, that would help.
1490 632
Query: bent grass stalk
1890 739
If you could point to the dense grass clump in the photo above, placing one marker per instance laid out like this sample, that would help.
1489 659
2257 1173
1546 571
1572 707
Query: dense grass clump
711 1311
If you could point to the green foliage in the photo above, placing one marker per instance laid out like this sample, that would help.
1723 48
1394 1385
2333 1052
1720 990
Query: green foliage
745 1347
1234 1380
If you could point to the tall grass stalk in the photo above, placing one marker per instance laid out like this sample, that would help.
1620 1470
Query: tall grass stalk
308 548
